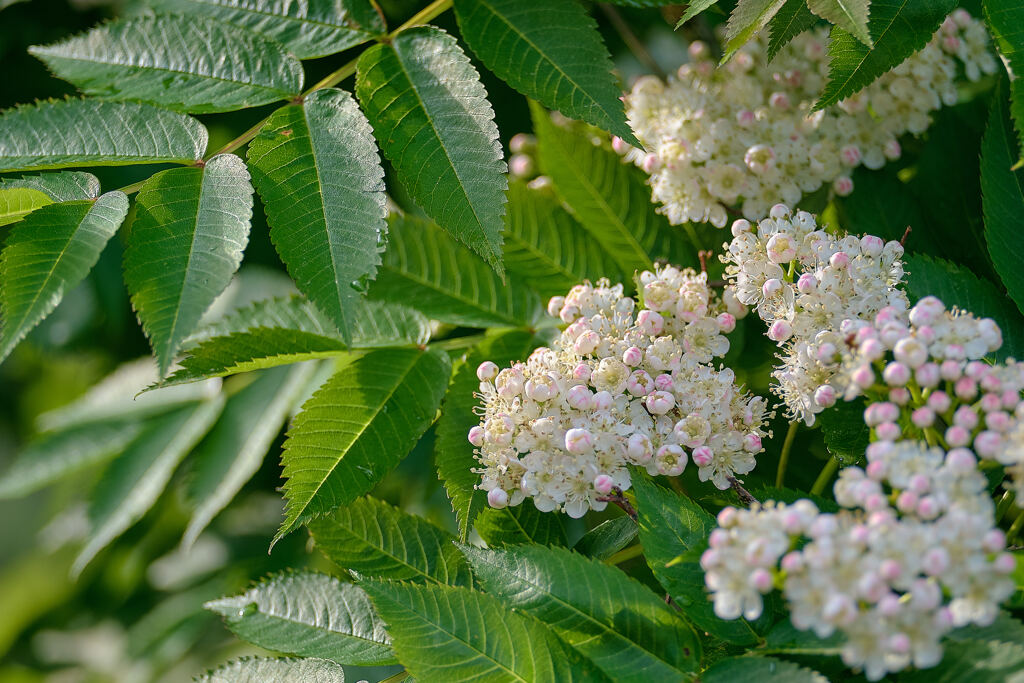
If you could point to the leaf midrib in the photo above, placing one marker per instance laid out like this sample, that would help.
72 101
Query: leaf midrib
436 286
249 9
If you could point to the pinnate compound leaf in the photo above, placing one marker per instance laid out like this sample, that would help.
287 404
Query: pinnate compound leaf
263 669
18 202
899 29
1005 20
791 20
426 268
133 482
849 15
186 63
75 132
446 634
314 28
63 186
357 427
308 614
749 17
551 52
191 226
317 171
432 119
46 254
759 668
374 539
608 617
520 525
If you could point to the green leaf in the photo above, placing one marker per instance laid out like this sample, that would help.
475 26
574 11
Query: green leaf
845 433
357 427
133 482
234 449
694 8
1005 628
749 17
374 539
547 247
607 538
315 28
186 63
317 171
975 661
759 668
674 532
450 634
519 525
1005 19
551 52
61 133
899 29
18 202
849 15
54 456
610 618
63 186
883 206
959 286
452 452
46 254
791 20
262 669
1002 192
432 119
425 267
186 241
308 614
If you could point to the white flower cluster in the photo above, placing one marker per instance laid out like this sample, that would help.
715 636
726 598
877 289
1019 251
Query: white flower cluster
744 135
804 283
914 554
619 387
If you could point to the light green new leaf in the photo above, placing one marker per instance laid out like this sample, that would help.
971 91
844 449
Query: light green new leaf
234 449
432 119
374 539
46 254
430 271
849 15
262 670
452 452
313 28
18 202
749 17
357 427
546 247
519 525
308 614
316 168
610 618
133 482
191 226
1002 193
448 634
899 29
54 456
1005 20
186 63
551 52
791 20
735 669
61 133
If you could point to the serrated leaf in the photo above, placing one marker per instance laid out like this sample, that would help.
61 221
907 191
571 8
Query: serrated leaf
759 668
308 614
432 119
1005 628
186 241
519 525
674 532
1002 193
608 617
186 63
607 538
450 634
357 427
234 449
845 433
749 17
694 8
314 28
18 202
51 457
425 267
959 286
61 133
63 186
883 206
899 29
551 52
133 482
452 452
263 669
547 247
1005 19
975 661
46 254
849 15
791 20
317 171
374 539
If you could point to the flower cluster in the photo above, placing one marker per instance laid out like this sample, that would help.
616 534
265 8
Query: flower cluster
913 554
804 283
745 135
622 385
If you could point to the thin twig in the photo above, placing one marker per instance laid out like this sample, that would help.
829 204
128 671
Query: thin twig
634 44
615 496
787 446
745 496
906 234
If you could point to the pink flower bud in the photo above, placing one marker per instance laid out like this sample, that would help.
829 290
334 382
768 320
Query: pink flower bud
872 349
650 323
888 431
582 372
497 498
991 403
702 456
825 396
745 118
807 283
950 370
961 460
899 395
792 562
965 417
718 538
603 484
761 580
639 383
579 441
843 185
876 470
957 436
896 374
988 443
994 541
476 436
907 501
890 570
927 508
602 400
780 331
923 417
486 371
726 517
927 375
740 226
939 401
651 163
899 643
726 322
1005 563
708 559
632 356
771 287
664 383
965 388
850 154
752 443
919 484
660 402
579 397
998 421
638 448
586 342
863 377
